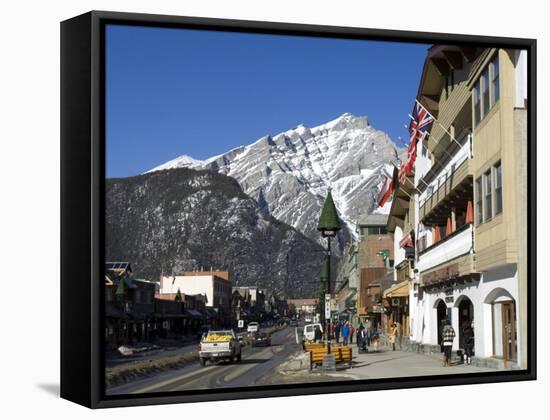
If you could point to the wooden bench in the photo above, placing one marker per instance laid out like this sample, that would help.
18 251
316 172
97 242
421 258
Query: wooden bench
310 346
341 354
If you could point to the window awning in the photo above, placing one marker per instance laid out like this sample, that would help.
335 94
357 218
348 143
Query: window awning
398 290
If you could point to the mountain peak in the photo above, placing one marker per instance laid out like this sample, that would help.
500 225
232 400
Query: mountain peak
183 161
345 121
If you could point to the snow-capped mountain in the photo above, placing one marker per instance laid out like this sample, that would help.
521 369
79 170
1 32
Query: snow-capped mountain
184 219
289 174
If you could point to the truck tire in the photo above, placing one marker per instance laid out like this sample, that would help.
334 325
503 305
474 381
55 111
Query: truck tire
202 361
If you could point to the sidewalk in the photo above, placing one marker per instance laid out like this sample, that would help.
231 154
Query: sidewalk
393 364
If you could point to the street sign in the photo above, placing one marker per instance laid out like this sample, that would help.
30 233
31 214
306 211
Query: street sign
241 323
327 306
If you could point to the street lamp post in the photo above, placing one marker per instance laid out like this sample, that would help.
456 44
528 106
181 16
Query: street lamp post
329 225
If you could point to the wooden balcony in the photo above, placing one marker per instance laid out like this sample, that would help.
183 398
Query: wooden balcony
449 191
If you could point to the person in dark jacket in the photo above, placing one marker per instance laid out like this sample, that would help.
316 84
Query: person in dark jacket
361 338
337 332
318 335
469 340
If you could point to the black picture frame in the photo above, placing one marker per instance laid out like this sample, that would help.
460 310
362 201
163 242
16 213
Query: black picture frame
82 205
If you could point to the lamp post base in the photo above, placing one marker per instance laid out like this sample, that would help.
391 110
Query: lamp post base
329 362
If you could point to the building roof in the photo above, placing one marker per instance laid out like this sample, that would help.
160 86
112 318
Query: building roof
220 274
373 220
118 267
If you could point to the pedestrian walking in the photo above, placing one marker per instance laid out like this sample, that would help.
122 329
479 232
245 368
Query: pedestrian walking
469 341
368 336
393 335
361 338
337 332
375 341
345 333
351 333
448 335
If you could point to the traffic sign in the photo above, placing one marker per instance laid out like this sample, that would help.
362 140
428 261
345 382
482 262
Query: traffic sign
327 305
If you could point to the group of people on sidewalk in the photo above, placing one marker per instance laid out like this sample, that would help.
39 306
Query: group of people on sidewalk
447 337
345 330
364 337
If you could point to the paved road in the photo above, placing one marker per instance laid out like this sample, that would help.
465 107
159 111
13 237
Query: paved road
257 363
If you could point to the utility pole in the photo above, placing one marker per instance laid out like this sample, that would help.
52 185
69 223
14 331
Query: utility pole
329 225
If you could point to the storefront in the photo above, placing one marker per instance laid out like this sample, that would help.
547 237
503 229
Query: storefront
398 298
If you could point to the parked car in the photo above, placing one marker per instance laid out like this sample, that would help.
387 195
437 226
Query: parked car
219 345
253 327
309 331
260 339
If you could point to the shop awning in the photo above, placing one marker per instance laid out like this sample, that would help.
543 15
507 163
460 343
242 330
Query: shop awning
194 314
398 290
210 313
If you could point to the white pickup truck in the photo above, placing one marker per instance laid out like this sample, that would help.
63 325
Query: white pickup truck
253 327
220 345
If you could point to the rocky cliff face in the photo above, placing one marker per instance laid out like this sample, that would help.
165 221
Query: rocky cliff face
288 174
185 219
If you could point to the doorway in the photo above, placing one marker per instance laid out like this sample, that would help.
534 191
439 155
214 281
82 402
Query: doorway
504 330
441 317
465 318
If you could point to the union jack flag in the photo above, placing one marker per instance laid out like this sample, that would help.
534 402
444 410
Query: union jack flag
421 121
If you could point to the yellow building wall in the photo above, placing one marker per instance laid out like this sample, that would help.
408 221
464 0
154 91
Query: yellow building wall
493 140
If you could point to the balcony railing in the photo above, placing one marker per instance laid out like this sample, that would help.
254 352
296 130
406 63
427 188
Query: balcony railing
450 175
458 243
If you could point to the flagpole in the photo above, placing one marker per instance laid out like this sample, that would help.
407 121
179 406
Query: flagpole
444 150
436 120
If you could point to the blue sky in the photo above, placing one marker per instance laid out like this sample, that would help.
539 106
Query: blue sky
176 91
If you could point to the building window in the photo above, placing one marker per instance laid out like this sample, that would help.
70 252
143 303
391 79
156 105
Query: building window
479 201
488 195
485 89
495 95
477 103
376 230
497 171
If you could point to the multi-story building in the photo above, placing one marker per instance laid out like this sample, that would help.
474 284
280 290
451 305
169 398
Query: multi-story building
303 307
401 223
129 306
347 282
470 202
374 258
216 285
248 303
